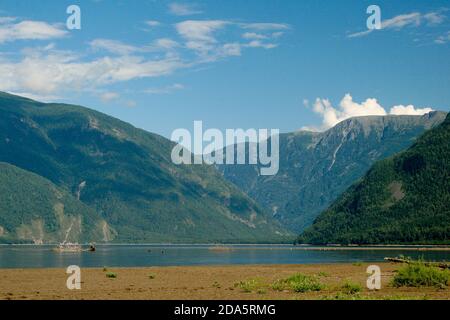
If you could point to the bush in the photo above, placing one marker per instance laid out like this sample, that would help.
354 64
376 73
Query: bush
351 288
298 283
417 274
249 285
111 275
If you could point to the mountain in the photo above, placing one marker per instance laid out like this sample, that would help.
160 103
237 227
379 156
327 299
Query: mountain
121 174
315 168
34 208
402 199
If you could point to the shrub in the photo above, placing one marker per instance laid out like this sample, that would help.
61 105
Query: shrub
351 288
417 274
151 276
111 275
298 283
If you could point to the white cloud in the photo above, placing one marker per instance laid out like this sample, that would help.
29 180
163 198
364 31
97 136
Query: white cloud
348 109
201 37
443 39
200 30
152 23
165 43
109 96
114 46
130 103
434 18
49 72
265 26
254 36
230 49
28 30
260 40
260 44
398 22
4 20
409 110
183 9
165 90
402 20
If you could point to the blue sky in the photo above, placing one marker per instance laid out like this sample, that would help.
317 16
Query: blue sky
160 65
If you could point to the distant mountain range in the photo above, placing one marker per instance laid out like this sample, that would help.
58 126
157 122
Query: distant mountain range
402 199
316 167
68 172
71 173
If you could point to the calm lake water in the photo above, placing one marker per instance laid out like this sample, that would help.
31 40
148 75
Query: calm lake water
179 255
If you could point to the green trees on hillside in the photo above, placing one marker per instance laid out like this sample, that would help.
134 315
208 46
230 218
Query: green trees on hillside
403 199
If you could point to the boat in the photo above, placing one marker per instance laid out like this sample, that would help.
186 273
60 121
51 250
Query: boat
68 247
73 247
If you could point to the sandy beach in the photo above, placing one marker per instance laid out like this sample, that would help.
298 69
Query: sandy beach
203 282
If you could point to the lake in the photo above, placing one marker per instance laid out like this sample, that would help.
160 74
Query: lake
28 256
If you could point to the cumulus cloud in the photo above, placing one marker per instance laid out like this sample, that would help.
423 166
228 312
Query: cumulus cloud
10 30
348 108
183 9
409 110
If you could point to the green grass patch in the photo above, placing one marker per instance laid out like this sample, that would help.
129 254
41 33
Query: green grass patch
417 274
251 285
111 275
298 283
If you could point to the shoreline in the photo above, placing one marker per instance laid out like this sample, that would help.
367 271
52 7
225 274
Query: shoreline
423 247
218 282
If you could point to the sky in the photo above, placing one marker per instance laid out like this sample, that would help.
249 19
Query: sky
287 65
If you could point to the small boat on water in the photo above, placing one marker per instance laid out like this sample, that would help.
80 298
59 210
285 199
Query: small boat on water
73 247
